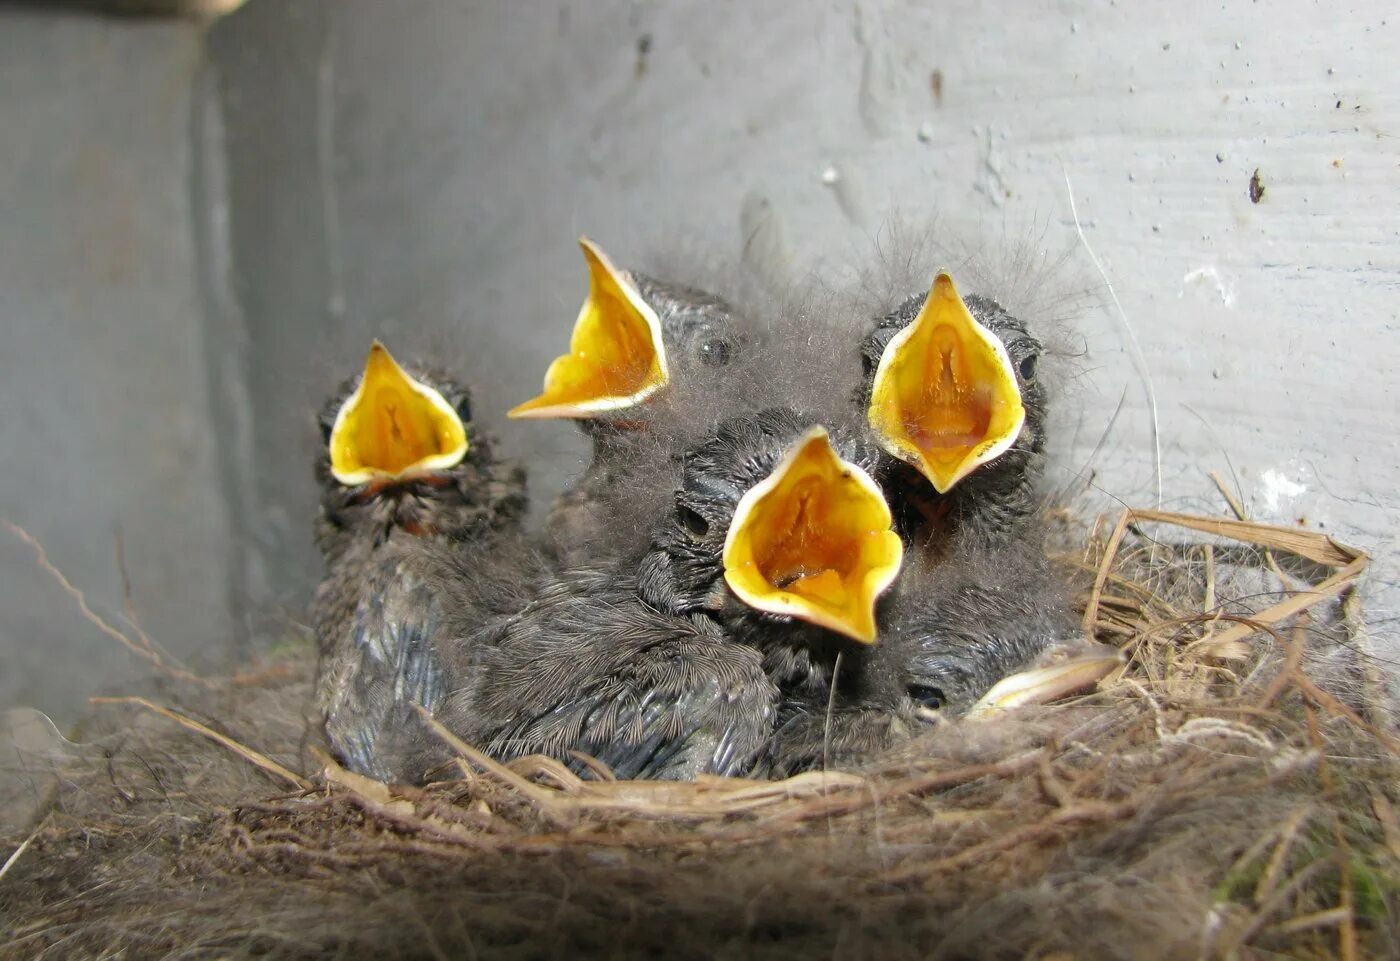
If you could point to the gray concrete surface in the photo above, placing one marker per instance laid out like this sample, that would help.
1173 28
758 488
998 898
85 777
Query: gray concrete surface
419 170
105 397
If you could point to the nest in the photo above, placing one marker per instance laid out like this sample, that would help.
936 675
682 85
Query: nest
1232 793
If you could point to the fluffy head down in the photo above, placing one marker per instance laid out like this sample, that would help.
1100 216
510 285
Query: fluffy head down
953 629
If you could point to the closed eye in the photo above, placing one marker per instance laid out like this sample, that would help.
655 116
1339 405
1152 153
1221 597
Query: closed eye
716 352
928 696
693 521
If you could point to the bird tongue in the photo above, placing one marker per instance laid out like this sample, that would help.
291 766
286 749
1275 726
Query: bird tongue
945 397
825 588
813 541
393 425
616 358
954 409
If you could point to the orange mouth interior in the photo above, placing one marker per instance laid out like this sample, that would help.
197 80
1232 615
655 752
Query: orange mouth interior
616 358
813 540
945 397
393 425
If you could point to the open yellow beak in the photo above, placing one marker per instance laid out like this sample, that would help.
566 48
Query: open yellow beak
813 540
1062 670
616 359
945 397
393 425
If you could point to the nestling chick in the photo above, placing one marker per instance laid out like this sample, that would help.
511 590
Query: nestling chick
637 344
781 536
954 401
403 467
962 636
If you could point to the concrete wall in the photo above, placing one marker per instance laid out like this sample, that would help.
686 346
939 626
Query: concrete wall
106 403
420 169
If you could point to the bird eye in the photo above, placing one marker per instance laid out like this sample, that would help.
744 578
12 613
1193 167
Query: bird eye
1027 368
715 352
694 523
928 696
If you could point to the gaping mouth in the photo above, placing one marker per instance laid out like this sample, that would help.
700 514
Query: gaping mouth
616 358
1062 670
812 540
945 397
393 425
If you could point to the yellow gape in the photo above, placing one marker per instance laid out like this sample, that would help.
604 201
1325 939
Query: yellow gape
813 540
393 425
945 397
616 359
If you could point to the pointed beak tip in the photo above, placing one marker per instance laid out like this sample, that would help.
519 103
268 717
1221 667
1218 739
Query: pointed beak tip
378 355
857 623
942 481
868 637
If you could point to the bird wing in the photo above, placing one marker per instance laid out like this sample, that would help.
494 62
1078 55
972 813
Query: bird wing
390 664
590 668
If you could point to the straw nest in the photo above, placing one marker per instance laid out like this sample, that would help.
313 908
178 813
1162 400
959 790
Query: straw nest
1232 793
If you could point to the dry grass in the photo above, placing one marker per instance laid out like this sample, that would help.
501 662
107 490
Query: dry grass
1232 793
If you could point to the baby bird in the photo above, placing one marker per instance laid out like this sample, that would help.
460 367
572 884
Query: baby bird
782 537
986 630
403 467
770 560
953 397
637 345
